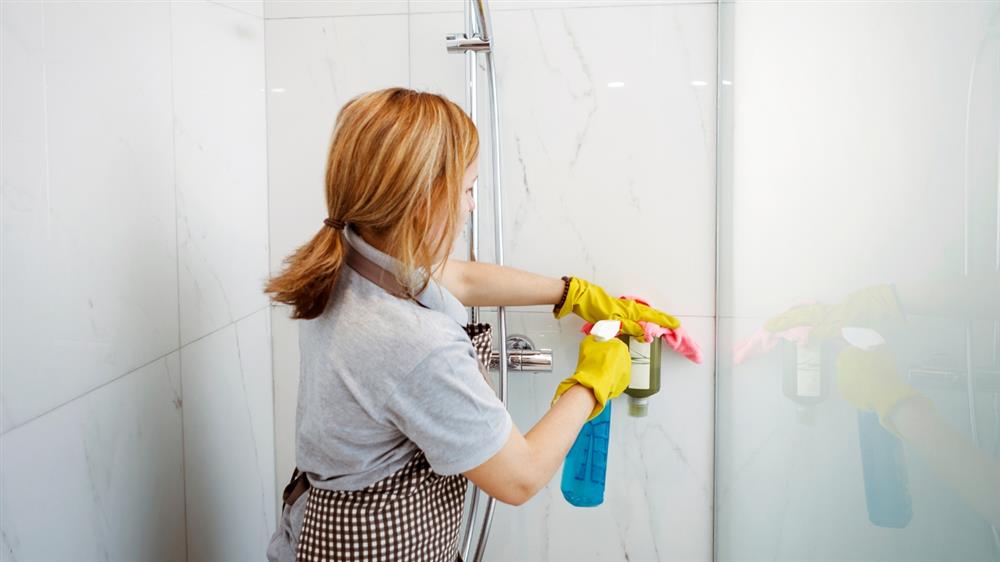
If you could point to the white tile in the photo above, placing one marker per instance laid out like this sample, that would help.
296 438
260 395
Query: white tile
100 478
612 184
220 140
89 233
323 8
229 442
658 500
424 6
432 67
285 350
314 67
252 7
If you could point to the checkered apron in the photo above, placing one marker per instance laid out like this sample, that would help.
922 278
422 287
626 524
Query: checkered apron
412 514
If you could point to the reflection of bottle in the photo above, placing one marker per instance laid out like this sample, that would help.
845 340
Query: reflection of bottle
887 493
586 464
805 377
645 380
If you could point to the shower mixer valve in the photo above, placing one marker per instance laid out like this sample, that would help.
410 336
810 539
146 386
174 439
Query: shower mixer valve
522 356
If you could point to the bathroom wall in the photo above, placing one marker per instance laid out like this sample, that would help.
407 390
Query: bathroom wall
613 183
858 147
136 372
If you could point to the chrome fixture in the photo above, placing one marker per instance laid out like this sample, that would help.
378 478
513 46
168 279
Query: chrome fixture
522 356
478 39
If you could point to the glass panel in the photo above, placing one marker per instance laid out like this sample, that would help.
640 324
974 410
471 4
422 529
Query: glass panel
858 281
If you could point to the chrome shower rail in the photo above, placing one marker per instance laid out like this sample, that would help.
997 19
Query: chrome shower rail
477 38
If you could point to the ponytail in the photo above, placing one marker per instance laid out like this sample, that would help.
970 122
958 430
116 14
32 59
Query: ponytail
394 169
310 274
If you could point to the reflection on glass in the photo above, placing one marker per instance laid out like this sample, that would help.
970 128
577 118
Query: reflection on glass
858 412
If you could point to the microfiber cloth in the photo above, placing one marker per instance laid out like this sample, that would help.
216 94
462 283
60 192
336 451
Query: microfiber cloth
678 339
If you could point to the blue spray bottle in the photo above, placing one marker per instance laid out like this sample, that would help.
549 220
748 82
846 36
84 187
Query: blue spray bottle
586 464
887 494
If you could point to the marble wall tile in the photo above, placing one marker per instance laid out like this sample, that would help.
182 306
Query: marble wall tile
89 233
279 9
285 350
101 477
609 158
425 6
315 66
252 7
221 154
614 167
229 442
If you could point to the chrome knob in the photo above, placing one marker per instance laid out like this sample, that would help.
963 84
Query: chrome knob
460 43
522 356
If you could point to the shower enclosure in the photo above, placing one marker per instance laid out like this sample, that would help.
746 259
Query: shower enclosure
858 157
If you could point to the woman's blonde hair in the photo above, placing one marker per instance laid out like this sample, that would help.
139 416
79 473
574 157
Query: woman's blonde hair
395 168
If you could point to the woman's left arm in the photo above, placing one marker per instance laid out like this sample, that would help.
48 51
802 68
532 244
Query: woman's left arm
488 284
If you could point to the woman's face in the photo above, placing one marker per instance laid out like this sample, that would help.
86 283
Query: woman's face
471 174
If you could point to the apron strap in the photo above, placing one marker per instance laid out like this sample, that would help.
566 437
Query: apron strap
295 488
376 274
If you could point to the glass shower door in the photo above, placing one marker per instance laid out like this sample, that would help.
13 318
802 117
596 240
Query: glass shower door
859 251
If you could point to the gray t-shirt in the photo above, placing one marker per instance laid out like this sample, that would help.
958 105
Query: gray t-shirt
381 377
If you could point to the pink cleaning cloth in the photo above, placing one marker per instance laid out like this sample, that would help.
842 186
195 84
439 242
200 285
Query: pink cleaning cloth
763 341
677 338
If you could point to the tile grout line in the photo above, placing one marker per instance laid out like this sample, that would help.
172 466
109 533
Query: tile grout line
267 244
130 372
177 269
228 7
409 45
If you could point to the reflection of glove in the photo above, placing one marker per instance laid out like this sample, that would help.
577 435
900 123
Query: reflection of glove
861 308
604 367
590 302
869 381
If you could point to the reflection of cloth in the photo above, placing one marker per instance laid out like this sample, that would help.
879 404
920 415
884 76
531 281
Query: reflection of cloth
763 341
677 338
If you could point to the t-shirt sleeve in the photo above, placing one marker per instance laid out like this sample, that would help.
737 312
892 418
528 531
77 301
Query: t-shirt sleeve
446 407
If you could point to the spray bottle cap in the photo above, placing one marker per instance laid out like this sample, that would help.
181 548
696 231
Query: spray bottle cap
604 330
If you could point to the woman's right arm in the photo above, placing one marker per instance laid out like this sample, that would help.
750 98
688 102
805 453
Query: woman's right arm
527 462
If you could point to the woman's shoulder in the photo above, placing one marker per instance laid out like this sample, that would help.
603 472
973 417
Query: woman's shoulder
361 314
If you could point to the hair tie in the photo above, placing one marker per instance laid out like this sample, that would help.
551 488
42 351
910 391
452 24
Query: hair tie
334 223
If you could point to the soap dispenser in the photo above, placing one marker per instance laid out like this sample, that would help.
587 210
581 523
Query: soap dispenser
645 380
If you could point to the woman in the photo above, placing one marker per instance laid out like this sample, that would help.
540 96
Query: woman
394 410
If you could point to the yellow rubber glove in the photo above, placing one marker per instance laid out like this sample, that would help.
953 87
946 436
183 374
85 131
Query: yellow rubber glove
869 380
604 367
590 302
861 308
